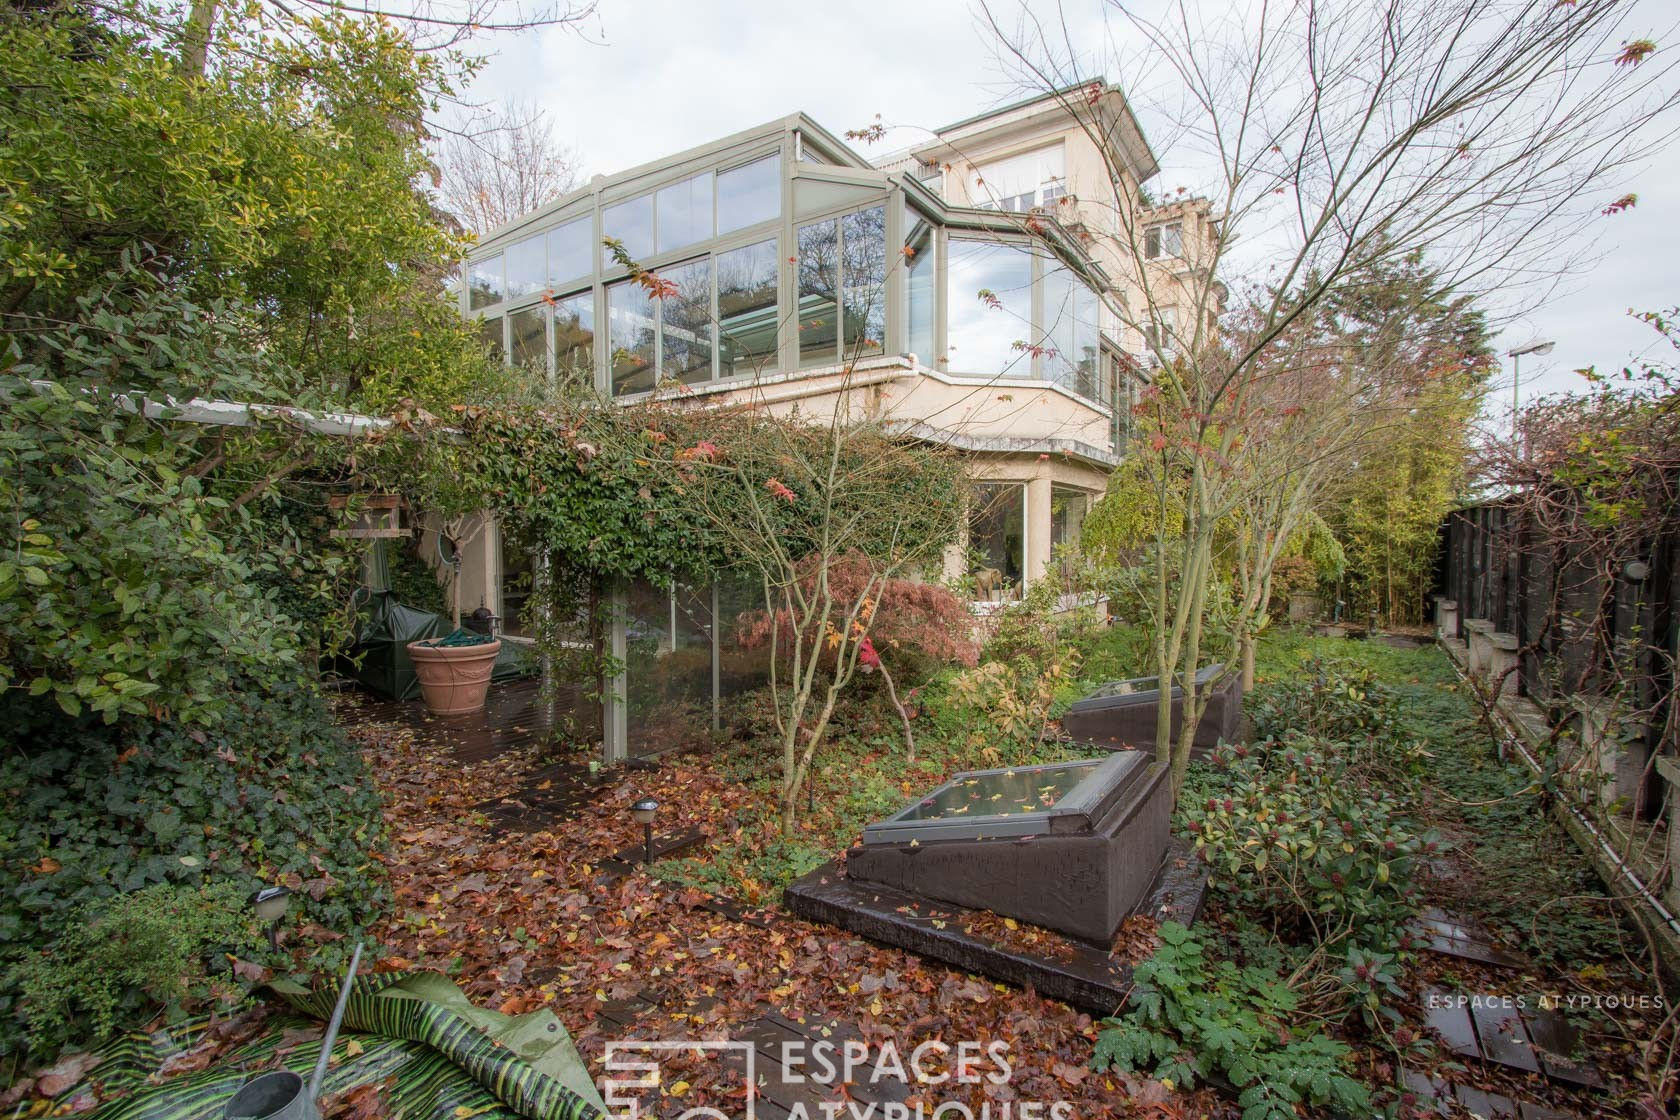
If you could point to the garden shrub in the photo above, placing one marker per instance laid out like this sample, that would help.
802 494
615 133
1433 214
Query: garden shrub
272 792
1341 701
1290 834
128 954
1189 1018
1330 698
925 625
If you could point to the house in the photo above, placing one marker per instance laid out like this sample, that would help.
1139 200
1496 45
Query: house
978 291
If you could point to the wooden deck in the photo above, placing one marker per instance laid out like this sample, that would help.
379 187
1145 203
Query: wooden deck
513 716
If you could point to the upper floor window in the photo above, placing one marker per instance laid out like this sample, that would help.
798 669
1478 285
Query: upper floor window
842 279
484 283
749 194
1019 183
1162 332
1164 240
716 317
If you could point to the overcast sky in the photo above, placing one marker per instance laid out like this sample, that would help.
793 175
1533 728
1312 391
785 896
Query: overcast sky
646 78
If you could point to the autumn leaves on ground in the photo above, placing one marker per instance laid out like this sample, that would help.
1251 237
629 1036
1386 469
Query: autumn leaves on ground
524 920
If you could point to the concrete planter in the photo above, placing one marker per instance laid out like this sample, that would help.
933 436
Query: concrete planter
1669 769
1614 750
1446 618
1502 656
454 680
1478 636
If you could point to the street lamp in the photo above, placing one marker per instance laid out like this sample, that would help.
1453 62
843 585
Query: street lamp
643 813
1543 346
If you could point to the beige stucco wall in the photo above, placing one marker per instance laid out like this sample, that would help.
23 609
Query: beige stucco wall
1008 430
972 408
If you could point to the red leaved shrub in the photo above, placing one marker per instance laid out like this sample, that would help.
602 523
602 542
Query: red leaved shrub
910 619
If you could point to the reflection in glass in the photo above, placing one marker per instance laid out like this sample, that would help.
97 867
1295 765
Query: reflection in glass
747 313
568 250
574 339
863 237
630 223
668 664
686 330
517 575
743 655
630 338
528 331
685 212
527 267
749 194
990 308
921 288
484 282
490 330
1071 331
1067 520
997 530
819 292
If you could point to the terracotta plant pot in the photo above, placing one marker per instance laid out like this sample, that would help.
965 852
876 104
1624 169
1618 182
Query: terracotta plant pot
454 679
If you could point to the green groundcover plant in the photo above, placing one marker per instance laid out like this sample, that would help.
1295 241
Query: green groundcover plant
1190 1018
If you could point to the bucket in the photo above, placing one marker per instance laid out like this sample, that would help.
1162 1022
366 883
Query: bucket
280 1095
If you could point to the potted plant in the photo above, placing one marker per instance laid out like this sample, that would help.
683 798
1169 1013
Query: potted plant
454 671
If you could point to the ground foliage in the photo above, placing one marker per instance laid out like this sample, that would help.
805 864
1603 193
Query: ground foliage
270 793
250 231
524 920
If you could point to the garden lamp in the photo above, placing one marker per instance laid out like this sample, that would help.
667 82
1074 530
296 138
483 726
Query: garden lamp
270 904
643 813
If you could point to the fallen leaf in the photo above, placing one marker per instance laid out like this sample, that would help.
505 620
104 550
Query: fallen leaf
65 1072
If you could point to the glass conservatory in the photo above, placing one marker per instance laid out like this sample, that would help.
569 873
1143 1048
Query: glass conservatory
779 251
778 254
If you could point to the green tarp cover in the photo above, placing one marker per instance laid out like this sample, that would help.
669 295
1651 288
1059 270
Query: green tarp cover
380 661
446 1058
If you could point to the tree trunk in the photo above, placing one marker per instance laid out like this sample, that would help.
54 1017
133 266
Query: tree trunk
195 46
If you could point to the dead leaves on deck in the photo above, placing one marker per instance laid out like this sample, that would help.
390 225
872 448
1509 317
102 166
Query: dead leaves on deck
527 920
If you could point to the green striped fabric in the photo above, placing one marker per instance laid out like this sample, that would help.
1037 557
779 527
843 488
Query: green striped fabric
424 1007
441 1057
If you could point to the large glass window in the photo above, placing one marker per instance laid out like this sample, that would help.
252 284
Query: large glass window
844 258
749 194
1070 353
484 282
997 534
686 323
574 338
685 212
630 337
527 267
921 286
569 254
989 304
746 293
863 239
819 291
528 331
630 223
490 330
